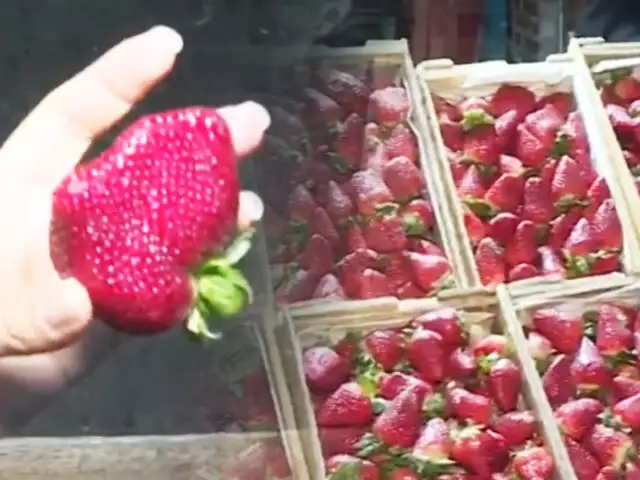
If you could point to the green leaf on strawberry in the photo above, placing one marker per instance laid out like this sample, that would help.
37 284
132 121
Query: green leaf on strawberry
476 118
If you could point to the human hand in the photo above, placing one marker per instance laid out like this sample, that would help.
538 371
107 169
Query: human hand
41 313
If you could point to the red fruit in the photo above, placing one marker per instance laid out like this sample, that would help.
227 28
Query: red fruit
627 88
399 425
523 272
317 257
346 466
403 178
385 346
301 204
329 287
563 328
516 427
509 164
425 352
506 193
410 290
443 107
584 465
568 185
474 104
345 89
389 106
606 227
401 143
425 246
604 264
430 271
503 226
522 247
352 238
598 193
339 206
481 146
581 241
476 230
534 464
490 261
348 144
319 112
505 381
561 228
550 263
352 267
492 345
540 348
608 473
576 417
391 384
322 225
612 448
537 205
472 184
324 369
561 101
465 405
627 412
625 387
385 233
461 365
620 119
397 269
418 217
589 371
451 132
375 156
612 335
339 440
370 191
434 443
512 97
297 287
531 150
373 284
557 381
500 449
445 322
348 406
473 449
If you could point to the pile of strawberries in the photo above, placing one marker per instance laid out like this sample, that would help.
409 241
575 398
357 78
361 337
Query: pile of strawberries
591 375
620 94
348 214
421 401
533 204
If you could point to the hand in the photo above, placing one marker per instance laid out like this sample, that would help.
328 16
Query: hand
40 313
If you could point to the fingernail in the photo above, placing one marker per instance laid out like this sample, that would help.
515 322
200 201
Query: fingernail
259 116
254 206
165 36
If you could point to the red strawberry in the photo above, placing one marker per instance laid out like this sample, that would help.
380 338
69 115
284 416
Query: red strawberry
385 233
339 206
625 387
418 217
585 466
321 224
324 369
301 204
522 247
345 89
576 417
503 226
627 412
351 268
403 178
550 263
346 466
445 322
557 381
534 463
472 184
475 227
512 97
389 106
608 473
561 228
516 427
373 284
474 104
335 441
509 164
506 127
320 112
606 227
461 365
493 344
465 405
430 271
443 107
401 143
505 381
391 384
561 101
472 448
545 124
434 443
410 290
540 348
370 191
530 149
399 425
451 131
506 193
425 352
375 156
421 245
612 335
563 328
490 261
598 193
481 146
348 144
603 264
329 287
317 257
589 371
348 406
385 346
581 241
568 185
627 88
611 448
397 269
620 119
297 287
537 204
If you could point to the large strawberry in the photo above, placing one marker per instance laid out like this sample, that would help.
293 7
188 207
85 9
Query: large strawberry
138 225
345 89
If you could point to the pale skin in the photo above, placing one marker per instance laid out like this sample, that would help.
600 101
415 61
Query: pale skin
46 321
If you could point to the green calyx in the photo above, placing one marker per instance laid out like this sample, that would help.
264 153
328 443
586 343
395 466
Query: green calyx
561 146
476 118
222 291
480 207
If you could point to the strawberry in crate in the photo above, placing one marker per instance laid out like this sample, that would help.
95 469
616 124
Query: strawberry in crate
533 204
426 399
588 360
359 223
